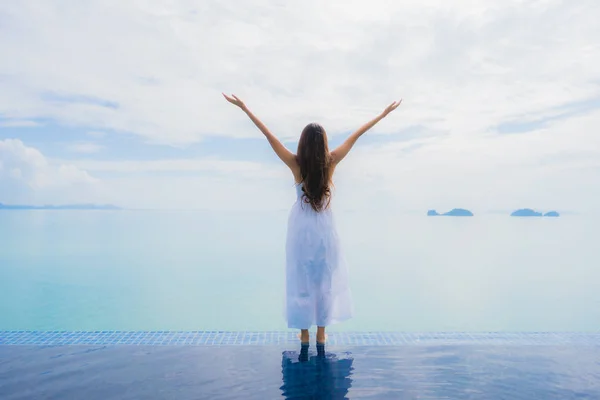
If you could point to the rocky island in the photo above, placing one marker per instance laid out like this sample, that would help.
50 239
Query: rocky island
456 212
528 212
552 214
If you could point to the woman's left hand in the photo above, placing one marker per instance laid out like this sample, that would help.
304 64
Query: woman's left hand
391 107
233 99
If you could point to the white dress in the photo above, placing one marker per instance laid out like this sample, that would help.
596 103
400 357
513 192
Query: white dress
317 289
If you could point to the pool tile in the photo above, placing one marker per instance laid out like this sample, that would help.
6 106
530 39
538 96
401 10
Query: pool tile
224 338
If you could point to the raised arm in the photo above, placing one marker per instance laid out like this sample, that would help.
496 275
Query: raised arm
282 152
342 150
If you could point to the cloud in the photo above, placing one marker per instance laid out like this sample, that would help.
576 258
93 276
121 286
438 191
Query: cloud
206 183
470 73
27 175
553 167
86 148
462 66
16 123
211 165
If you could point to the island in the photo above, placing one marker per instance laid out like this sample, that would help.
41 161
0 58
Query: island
456 212
59 207
528 212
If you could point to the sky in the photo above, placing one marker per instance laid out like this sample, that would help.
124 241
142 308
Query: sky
119 102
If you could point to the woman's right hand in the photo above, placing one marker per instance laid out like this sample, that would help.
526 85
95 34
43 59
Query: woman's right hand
391 107
233 99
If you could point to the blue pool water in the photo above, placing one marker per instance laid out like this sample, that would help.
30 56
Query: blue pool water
287 371
150 270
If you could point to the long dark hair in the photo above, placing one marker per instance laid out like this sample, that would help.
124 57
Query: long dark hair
315 166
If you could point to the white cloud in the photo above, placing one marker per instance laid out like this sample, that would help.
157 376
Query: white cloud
206 192
211 165
86 148
207 183
557 167
463 66
27 175
14 123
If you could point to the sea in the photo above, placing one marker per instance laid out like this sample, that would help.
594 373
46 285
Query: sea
202 270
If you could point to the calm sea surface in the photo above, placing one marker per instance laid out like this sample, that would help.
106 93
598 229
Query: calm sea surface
192 270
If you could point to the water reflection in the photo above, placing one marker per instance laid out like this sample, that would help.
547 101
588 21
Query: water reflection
319 375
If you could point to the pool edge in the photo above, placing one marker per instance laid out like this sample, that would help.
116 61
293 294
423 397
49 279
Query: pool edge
234 338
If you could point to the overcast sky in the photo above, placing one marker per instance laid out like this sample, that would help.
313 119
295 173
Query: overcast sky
119 101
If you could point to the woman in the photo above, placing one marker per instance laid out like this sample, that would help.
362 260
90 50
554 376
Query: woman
317 290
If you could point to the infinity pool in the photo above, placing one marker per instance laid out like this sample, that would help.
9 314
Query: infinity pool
436 369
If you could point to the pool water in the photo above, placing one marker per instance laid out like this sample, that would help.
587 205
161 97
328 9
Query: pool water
467 371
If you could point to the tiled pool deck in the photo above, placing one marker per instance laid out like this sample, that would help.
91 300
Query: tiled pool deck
228 338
